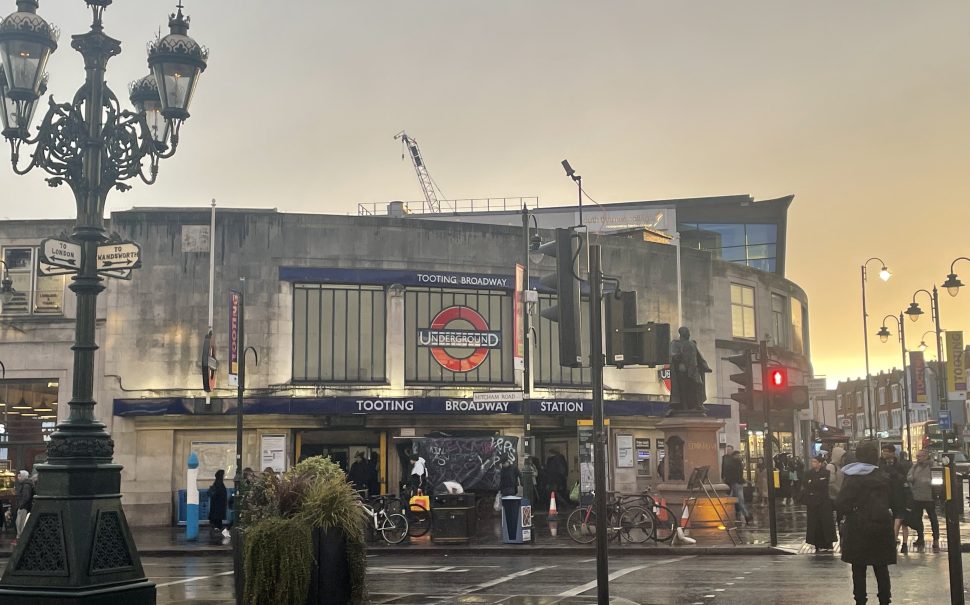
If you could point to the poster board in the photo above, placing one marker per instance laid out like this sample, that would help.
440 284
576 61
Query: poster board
624 451
272 450
215 455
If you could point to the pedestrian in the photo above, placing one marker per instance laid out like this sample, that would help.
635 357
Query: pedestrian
662 468
901 499
557 472
358 472
761 479
783 493
509 479
373 475
867 535
418 477
218 503
731 469
920 481
820 528
24 495
728 450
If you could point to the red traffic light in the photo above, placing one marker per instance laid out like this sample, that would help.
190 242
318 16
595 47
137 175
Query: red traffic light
777 378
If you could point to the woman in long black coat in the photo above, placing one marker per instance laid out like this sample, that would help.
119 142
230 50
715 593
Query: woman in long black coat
218 502
820 531
867 534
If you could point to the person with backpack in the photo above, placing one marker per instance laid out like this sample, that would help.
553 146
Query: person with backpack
867 532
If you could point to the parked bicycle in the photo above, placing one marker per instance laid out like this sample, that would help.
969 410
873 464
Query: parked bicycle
625 521
393 527
419 517
665 521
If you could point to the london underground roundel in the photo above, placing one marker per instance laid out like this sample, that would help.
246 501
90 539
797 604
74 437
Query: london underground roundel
459 338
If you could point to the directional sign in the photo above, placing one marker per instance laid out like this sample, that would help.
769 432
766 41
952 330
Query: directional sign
120 255
116 273
46 269
60 253
945 420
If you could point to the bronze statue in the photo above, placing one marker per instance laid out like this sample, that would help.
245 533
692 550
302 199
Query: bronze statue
687 369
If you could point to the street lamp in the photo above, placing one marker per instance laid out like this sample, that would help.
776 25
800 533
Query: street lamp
884 336
953 283
76 547
922 340
531 243
914 312
884 275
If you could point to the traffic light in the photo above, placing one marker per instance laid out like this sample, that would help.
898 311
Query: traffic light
745 396
777 379
629 343
565 281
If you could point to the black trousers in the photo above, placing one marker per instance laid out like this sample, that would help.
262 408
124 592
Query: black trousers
882 582
930 507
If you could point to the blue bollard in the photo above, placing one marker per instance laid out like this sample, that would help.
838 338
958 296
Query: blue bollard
192 499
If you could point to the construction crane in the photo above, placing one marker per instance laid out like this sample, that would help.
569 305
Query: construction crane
428 186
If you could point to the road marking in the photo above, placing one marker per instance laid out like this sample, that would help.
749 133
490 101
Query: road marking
196 579
618 574
402 569
511 576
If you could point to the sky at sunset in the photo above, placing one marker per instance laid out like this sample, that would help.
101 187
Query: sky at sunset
860 109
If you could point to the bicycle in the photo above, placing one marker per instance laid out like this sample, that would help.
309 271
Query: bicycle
392 527
418 516
665 521
629 523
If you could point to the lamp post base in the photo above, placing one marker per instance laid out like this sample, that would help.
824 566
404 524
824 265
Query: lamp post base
76 547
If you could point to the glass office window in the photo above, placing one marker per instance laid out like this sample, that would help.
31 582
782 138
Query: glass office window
751 244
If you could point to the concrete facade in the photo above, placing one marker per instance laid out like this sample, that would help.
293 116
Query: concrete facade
151 329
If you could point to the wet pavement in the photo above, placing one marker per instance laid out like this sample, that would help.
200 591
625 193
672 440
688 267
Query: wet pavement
569 579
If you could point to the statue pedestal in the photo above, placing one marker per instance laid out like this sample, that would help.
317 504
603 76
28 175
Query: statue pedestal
691 442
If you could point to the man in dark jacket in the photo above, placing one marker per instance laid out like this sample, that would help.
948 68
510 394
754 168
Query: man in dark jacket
24 493
359 472
867 536
556 473
509 479
732 471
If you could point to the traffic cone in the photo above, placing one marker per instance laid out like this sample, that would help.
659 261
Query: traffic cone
553 512
685 516
662 511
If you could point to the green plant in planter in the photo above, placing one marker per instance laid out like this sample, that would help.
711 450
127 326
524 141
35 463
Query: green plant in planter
279 516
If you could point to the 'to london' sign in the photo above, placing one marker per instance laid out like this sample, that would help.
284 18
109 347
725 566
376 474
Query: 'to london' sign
447 333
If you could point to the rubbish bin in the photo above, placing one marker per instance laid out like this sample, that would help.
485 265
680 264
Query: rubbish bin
516 520
453 518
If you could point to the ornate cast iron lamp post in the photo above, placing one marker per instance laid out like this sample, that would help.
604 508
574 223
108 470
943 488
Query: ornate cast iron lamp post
76 547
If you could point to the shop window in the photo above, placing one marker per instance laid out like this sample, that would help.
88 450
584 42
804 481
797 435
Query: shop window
458 336
338 333
742 311
33 294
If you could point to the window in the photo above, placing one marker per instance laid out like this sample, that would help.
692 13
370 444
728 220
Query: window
838 402
779 320
860 425
883 421
338 333
742 311
882 395
894 392
797 329
33 294
753 244
897 419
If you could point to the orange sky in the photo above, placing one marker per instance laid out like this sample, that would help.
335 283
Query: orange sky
857 108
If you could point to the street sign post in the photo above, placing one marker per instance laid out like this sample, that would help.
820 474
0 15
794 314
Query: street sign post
60 253
945 420
497 396
119 255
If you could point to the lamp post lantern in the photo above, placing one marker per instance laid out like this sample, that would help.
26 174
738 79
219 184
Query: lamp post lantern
884 275
883 335
914 312
77 547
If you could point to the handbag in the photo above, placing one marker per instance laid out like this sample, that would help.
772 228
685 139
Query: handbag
424 501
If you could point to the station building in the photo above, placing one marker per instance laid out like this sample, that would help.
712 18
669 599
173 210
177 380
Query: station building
373 333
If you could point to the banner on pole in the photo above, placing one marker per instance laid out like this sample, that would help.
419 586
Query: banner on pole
518 318
917 367
234 303
956 371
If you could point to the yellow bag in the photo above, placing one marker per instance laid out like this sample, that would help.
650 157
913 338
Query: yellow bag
424 501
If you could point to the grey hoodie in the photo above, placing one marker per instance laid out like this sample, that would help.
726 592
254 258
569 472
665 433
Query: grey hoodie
858 468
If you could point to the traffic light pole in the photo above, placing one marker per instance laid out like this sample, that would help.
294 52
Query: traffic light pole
769 454
528 476
599 434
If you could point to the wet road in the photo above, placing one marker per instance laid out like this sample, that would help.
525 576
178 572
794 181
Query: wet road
570 580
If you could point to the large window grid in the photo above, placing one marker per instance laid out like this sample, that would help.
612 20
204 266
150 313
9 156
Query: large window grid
742 312
751 244
545 362
33 294
420 307
338 333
